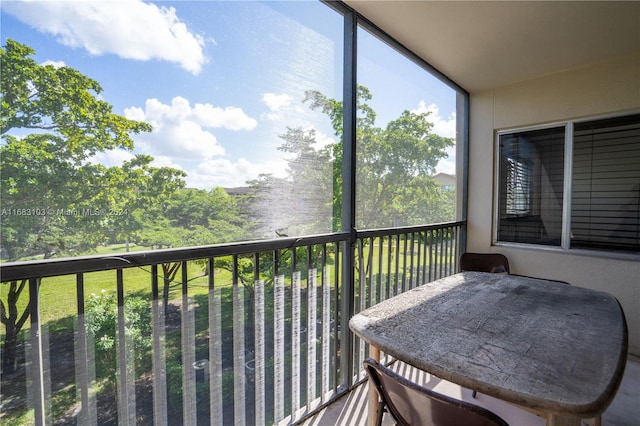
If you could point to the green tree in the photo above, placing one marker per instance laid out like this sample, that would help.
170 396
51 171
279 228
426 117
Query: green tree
55 200
190 217
393 165
301 204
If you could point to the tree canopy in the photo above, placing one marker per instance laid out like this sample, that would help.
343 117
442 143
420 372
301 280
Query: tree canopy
55 200
394 169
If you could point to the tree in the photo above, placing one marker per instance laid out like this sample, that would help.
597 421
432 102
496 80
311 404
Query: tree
54 199
306 192
393 165
190 217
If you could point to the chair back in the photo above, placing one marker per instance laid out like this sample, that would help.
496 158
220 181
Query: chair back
412 404
484 262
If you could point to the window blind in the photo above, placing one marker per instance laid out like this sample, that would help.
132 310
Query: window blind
605 206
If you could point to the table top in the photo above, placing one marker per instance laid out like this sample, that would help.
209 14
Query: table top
536 343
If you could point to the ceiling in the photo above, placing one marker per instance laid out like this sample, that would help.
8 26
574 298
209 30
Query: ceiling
486 44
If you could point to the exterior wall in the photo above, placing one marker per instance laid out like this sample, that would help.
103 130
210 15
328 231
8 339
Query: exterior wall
596 90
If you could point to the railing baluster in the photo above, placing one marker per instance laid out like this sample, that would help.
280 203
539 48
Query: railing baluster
312 316
259 321
215 349
159 361
189 413
85 381
425 260
125 362
36 389
362 294
369 274
337 328
452 252
239 374
431 260
295 342
442 255
396 289
411 254
326 324
311 334
390 291
380 266
278 340
419 278
404 263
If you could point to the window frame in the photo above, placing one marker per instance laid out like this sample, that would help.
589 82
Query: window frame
565 245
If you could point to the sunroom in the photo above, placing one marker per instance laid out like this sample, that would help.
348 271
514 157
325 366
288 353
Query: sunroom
511 91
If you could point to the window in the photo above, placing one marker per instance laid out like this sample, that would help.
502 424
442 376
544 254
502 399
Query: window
603 204
531 171
605 199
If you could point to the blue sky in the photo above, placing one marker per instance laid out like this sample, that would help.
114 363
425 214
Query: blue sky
220 81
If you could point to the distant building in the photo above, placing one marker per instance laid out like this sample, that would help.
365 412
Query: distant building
446 180
240 190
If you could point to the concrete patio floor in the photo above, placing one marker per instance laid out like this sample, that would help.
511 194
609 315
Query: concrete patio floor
351 409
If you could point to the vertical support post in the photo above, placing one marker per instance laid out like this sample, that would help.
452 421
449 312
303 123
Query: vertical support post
348 193
462 163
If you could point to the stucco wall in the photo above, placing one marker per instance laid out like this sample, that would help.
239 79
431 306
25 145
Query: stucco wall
599 89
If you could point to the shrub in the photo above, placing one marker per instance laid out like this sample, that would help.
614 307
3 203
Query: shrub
101 321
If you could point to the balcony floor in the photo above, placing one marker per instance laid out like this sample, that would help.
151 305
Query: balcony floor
351 409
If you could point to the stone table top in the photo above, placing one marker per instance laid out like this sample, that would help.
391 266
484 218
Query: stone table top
539 344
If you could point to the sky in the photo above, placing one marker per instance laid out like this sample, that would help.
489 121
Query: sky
220 81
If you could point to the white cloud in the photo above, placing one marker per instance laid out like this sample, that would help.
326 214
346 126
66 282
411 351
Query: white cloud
444 127
228 174
180 131
114 157
55 64
322 140
448 164
131 29
441 126
231 118
164 161
276 102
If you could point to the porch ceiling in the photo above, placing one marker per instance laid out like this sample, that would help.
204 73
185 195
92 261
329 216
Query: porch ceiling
485 44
